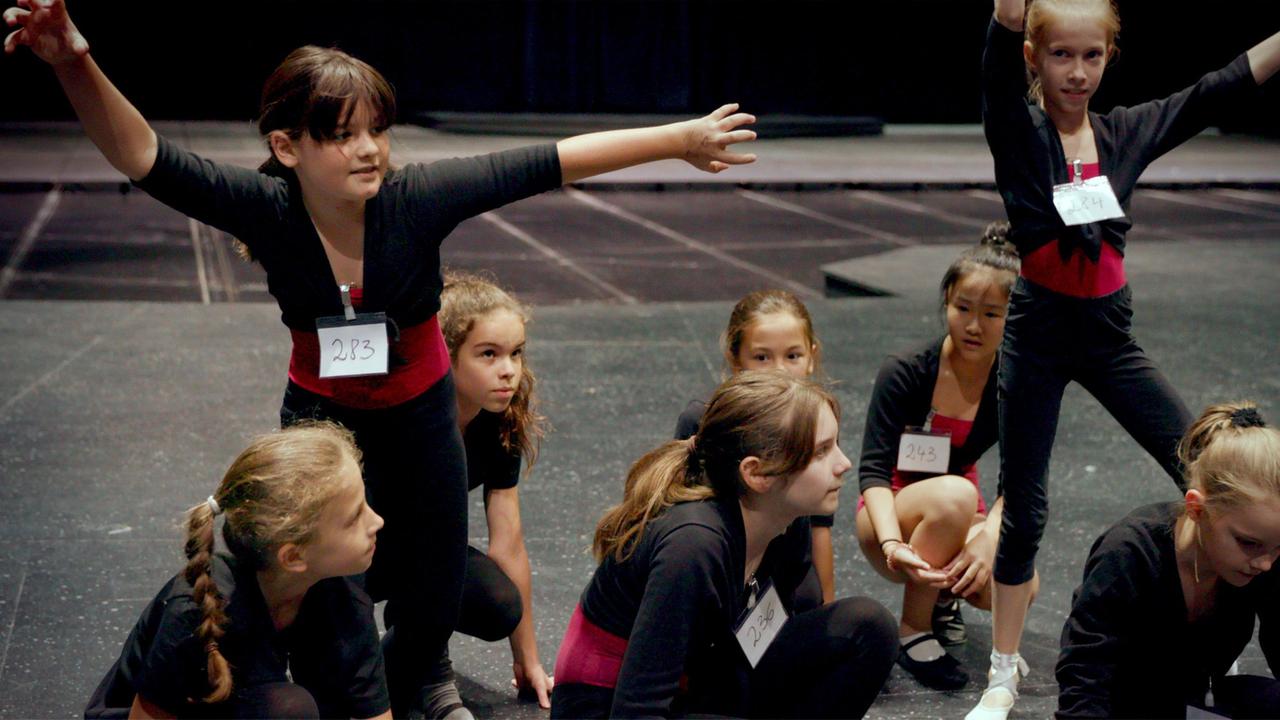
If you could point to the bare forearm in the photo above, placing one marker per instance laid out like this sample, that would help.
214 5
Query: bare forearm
1009 13
583 156
1264 58
109 119
824 562
515 563
883 515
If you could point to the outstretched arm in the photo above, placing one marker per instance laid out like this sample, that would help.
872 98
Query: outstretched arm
1264 58
1009 13
702 143
110 120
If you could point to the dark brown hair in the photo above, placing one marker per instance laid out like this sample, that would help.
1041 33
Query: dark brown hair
763 413
274 493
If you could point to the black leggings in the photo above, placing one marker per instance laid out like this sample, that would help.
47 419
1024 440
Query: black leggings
1050 340
491 603
415 472
829 662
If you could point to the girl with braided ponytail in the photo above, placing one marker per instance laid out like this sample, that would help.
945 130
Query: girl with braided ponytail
219 638
1171 591
700 562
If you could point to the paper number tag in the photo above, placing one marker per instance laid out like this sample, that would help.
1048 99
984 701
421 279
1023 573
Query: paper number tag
921 451
1085 202
1195 713
353 348
763 622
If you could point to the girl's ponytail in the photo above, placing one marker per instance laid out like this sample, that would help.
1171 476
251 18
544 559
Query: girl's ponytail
1232 456
198 574
670 474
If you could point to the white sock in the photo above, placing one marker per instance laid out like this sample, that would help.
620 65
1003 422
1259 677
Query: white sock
926 651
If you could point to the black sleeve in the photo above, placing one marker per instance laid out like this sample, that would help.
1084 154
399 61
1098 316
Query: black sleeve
1006 119
687 423
1154 128
340 657
790 563
687 581
888 414
446 192
1118 577
174 668
237 200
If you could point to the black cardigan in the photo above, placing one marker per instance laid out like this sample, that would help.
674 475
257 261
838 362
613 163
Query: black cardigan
902 396
1127 647
676 599
1028 154
417 206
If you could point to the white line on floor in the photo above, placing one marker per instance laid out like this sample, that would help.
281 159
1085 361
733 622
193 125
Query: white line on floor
812 214
28 238
559 258
1272 199
775 279
199 253
1202 202
13 620
917 209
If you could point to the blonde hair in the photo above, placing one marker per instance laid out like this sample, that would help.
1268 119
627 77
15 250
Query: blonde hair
751 308
1231 456
274 493
1041 13
465 299
767 414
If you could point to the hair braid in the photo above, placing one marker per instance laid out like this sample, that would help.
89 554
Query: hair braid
199 574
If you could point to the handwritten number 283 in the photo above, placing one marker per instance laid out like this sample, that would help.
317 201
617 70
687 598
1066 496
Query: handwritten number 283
359 350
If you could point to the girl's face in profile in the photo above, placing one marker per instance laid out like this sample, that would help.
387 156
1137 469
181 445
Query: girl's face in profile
776 341
815 490
347 534
1241 542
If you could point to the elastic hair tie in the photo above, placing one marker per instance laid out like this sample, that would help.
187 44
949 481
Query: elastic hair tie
213 506
1247 417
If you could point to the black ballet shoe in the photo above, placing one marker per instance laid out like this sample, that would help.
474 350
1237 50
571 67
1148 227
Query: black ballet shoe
943 673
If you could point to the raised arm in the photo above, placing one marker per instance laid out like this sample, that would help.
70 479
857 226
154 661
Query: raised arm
110 120
1264 58
702 143
1009 13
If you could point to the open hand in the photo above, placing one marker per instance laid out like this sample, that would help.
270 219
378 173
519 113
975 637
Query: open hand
708 138
45 27
533 682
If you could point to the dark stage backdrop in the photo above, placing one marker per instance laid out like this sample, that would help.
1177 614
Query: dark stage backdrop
906 61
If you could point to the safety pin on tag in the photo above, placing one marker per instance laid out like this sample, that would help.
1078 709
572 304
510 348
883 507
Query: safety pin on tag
1077 172
347 310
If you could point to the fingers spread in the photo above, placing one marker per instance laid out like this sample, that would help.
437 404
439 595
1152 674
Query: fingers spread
737 136
14 15
736 158
14 39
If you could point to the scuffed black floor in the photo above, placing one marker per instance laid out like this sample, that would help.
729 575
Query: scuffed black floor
118 415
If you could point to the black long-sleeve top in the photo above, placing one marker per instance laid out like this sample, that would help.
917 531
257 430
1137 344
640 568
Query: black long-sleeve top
1028 154
416 207
1128 649
902 397
676 600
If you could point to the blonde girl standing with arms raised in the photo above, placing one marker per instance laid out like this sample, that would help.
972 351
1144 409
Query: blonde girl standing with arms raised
1066 175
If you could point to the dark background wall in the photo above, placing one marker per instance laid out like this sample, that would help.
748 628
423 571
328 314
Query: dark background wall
902 60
